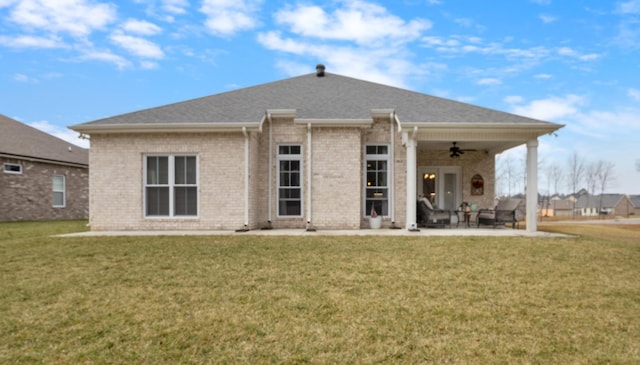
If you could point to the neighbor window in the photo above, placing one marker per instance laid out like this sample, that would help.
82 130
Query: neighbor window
12 168
58 191
376 179
289 180
171 186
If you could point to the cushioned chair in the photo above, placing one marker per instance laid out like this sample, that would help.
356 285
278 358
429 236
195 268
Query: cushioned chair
505 212
429 217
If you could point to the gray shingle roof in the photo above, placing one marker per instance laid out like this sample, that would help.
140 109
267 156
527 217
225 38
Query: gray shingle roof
635 200
593 201
22 141
329 97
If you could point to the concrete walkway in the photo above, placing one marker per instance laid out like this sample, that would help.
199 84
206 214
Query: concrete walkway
424 232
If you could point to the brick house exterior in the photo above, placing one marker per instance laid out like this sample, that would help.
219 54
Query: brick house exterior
43 177
315 151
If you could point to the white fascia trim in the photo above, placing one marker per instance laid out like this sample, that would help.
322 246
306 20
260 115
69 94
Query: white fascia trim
282 113
382 113
350 123
168 128
527 129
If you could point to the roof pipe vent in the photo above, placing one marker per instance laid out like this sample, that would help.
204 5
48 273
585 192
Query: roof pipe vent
320 70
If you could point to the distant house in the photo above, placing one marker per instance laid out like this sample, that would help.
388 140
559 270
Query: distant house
635 204
605 204
558 208
315 151
43 177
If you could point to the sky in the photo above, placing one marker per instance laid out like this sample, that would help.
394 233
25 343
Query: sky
577 63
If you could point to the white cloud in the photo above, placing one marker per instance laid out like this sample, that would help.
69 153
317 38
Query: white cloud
513 99
489 81
137 46
226 17
175 6
634 94
76 17
27 41
543 76
629 7
141 27
60 132
569 52
106 56
553 109
358 21
547 18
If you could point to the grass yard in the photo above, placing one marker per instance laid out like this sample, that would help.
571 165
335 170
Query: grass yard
244 299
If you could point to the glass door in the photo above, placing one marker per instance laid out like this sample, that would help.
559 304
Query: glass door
441 185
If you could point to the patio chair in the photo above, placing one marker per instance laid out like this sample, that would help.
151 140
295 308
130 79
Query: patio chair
505 212
427 216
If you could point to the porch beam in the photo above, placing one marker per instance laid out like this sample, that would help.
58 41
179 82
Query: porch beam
532 185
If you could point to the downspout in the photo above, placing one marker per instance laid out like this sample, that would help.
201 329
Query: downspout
270 183
309 176
246 178
392 175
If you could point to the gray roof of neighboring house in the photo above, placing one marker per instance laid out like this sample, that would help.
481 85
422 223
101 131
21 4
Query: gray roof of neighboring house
563 204
21 141
593 201
635 200
312 97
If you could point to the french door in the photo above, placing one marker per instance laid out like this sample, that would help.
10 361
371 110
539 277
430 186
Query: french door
441 185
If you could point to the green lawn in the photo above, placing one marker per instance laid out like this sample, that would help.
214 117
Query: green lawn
244 299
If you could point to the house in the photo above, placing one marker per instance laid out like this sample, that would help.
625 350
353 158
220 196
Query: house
635 204
557 207
43 177
317 151
604 204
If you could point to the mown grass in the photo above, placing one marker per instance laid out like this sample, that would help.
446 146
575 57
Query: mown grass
321 300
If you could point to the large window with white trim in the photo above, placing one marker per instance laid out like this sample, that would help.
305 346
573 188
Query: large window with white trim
171 186
59 191
290 180
376 180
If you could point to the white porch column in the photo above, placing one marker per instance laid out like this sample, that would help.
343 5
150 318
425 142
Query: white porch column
410 142
532 185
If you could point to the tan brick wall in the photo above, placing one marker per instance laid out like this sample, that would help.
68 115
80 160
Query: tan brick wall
337 178
116 201
29 195
471 163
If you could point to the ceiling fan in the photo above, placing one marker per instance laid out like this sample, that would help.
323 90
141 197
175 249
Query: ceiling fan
457 151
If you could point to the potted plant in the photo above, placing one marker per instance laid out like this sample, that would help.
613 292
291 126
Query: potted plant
375 221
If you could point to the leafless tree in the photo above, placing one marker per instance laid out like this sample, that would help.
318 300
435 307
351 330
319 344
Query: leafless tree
575 174
638 165
604 176
508 174
591 176
555 176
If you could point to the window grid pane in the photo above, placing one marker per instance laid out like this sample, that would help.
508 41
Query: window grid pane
175 196
376 180
289 180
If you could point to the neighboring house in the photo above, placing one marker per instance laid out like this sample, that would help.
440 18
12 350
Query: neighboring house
43 177
558 208
317 151
635 204
605 204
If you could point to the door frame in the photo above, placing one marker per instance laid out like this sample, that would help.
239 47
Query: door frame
440 171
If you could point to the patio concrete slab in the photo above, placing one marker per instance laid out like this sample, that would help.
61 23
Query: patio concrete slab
423 232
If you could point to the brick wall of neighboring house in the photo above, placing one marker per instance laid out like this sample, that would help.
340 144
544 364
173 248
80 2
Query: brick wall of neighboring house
29 195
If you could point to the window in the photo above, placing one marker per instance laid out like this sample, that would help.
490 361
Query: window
171 186
12 168
289 180
376 179
58 191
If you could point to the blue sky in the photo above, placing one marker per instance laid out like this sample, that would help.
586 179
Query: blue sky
64 62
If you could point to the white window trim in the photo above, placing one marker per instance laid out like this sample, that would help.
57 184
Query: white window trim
292 157
171 185
4 168
375 157
63 191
